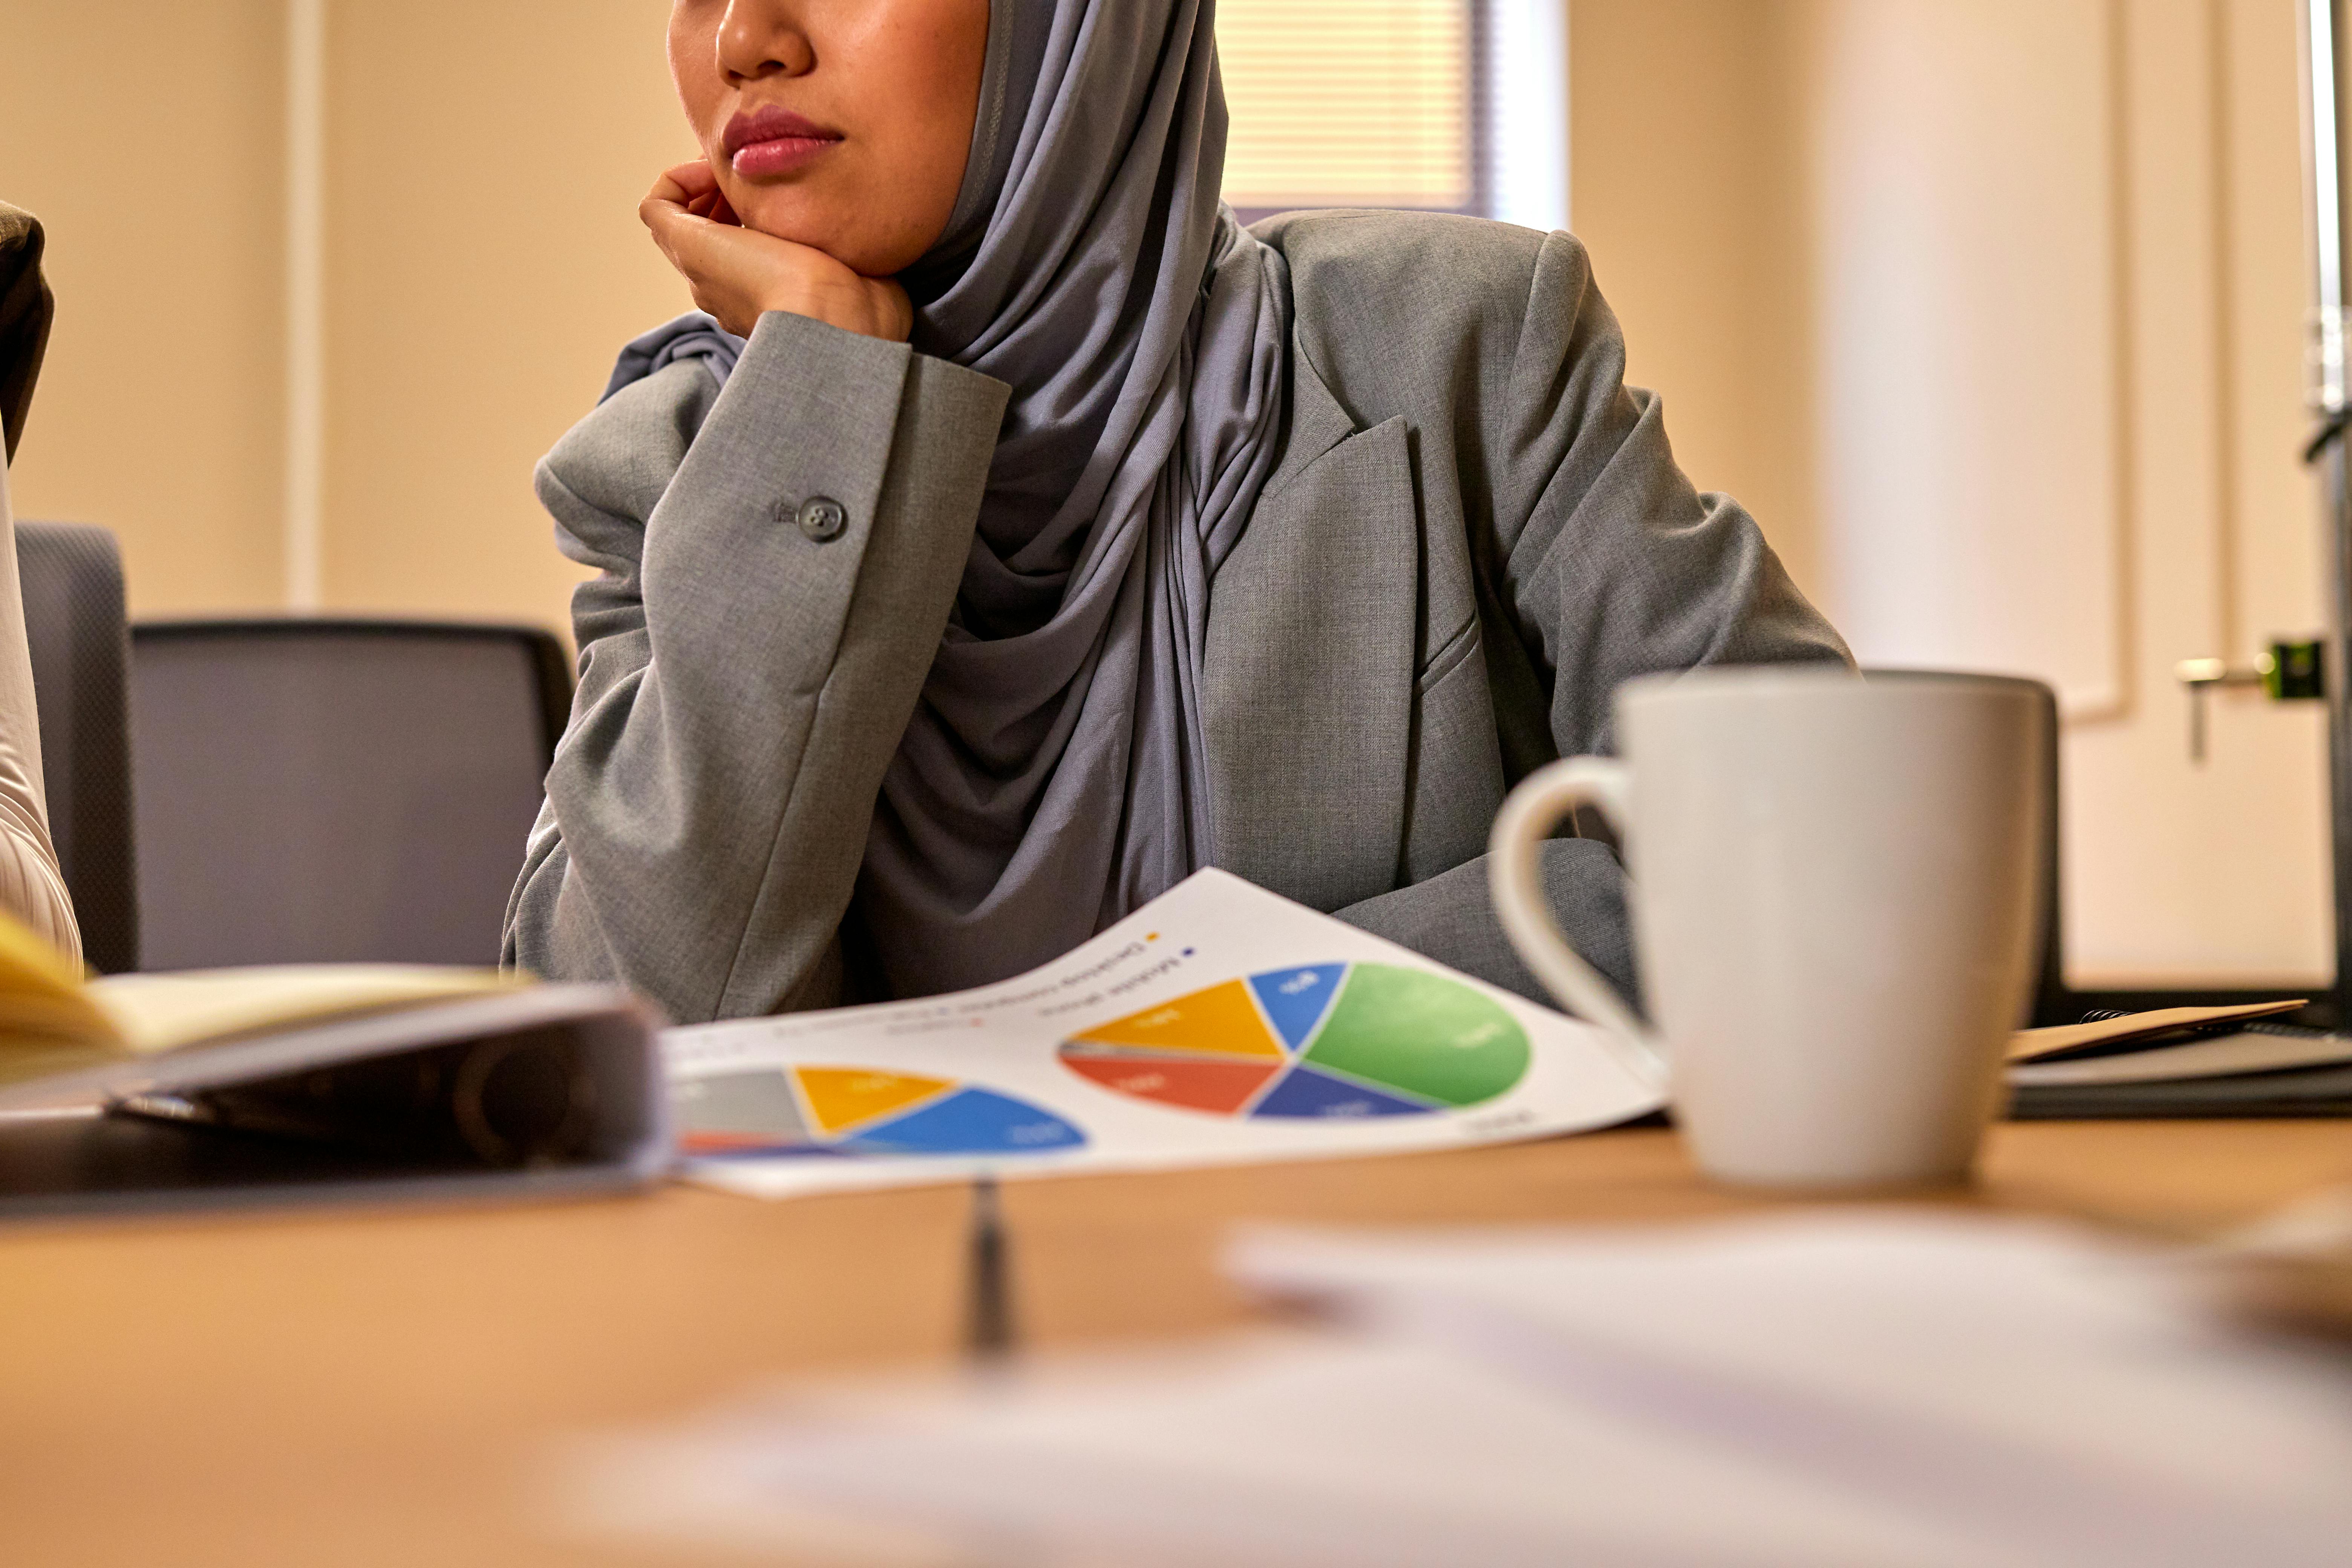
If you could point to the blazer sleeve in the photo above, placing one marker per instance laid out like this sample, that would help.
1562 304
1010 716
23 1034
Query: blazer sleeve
1602 561
744 679
1607 562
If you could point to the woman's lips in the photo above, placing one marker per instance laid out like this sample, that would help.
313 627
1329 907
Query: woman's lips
772 141
779 155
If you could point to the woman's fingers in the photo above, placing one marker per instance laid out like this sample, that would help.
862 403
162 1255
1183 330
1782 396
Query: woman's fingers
737 274
721 282
682 183
894 311
688 188
667 221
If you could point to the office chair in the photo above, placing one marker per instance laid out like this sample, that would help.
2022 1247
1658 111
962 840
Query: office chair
71 577
322 790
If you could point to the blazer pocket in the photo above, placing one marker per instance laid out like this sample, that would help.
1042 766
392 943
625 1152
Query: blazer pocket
1451 653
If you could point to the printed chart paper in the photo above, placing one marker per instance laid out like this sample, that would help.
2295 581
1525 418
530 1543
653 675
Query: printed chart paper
1219 1024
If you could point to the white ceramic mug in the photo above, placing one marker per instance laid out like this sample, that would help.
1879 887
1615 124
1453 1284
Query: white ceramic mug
1834 897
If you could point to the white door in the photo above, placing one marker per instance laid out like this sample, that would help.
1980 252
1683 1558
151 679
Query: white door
2002 310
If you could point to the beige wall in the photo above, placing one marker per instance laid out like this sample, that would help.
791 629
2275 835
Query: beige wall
483 263
147 135
1689 189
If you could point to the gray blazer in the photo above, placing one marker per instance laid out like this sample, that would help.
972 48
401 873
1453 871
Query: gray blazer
1474 533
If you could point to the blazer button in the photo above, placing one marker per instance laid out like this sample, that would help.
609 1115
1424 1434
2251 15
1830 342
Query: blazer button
822 518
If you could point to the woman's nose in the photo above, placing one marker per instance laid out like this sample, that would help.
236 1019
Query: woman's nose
760 38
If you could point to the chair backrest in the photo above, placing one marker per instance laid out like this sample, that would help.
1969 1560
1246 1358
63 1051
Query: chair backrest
317 790
2052 1003
71 578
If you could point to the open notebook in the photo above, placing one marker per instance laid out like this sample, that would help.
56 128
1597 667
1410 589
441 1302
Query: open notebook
2182 1061
315 1080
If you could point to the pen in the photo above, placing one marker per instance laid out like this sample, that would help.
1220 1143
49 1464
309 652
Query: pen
989 1324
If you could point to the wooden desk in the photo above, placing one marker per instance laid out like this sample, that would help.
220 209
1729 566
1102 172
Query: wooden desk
385 1388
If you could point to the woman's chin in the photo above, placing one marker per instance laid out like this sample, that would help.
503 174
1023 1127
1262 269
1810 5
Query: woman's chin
787 212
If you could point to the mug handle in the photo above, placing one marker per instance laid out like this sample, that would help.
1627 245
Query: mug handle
1515 875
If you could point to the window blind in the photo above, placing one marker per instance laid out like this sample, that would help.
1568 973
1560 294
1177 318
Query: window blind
1350 103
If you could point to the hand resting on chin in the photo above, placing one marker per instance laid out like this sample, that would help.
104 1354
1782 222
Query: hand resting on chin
737 273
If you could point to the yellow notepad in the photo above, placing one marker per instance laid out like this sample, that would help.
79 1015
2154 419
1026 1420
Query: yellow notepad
2042 1044
53 1021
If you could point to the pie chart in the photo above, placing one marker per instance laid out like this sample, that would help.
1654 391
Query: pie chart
1338 1041
849 1112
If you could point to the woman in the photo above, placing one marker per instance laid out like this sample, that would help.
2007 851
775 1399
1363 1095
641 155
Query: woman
30 886
1052 537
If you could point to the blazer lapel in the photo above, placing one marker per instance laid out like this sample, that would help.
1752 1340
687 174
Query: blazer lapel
1307 681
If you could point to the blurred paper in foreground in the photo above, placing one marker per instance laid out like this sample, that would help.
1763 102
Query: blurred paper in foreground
1811 1391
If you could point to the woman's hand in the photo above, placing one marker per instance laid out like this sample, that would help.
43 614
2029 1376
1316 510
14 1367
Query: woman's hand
736 273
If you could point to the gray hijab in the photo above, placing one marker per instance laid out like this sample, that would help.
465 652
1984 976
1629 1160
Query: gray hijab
1053 775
